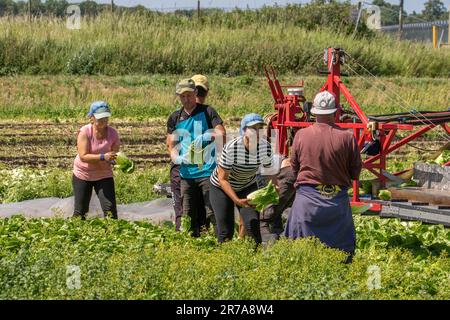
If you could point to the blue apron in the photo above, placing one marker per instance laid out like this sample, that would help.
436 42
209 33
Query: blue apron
327 218
204 163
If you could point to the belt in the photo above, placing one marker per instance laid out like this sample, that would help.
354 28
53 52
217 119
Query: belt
326 190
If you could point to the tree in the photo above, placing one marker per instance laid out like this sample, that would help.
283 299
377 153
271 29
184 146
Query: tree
37 8
7 7
434 10
56 7
90 8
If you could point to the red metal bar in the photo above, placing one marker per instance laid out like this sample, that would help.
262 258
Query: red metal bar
334 71
401 143
389 138
372 165
271 86
361 140
324 87
446 127
277 84
382 158
376 207
377 174
401 172
351 101
349 125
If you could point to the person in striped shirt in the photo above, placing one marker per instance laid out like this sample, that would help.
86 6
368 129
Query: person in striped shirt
235 177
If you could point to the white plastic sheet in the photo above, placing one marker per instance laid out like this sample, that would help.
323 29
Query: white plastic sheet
155 211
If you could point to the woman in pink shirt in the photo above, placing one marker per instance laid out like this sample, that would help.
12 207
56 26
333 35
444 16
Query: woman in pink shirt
97 146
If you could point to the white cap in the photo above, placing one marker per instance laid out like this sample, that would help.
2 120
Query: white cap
324 103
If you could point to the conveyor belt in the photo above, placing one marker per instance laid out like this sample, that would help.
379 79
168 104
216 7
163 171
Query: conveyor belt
414 118
414 211
435 117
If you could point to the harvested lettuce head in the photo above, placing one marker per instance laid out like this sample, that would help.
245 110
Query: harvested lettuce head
384 195
443 158
264 197
123 163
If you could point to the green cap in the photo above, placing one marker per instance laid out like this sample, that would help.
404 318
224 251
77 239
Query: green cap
185 85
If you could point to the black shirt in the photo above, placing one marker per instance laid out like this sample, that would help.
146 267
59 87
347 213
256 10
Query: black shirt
212 117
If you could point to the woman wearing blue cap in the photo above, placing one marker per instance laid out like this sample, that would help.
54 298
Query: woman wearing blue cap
235 177
97 145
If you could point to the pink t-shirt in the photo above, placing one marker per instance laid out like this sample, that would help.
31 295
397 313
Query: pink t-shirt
99 170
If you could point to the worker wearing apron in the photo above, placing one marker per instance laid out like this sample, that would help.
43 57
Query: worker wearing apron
325 159
191 139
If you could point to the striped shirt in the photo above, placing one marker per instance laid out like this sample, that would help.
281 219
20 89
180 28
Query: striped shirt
242 164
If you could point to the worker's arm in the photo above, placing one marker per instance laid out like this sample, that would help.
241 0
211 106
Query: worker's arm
355 160
217 124
173 152
295 155
116 146
219 131
274 179
226 187
85 156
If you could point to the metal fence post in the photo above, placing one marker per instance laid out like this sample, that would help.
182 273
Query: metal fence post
434 36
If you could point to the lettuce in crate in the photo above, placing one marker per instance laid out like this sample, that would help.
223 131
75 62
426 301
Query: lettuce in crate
443 158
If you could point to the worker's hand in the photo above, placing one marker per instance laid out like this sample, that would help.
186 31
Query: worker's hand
110 156
243 203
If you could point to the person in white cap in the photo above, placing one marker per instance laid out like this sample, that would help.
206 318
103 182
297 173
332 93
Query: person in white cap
325 159
97 145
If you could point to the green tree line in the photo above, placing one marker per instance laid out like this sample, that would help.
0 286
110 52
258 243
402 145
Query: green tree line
433 10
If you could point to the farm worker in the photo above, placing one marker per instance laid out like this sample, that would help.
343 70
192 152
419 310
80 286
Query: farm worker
271 217
192 133
97 145
202 86
235 178
325 159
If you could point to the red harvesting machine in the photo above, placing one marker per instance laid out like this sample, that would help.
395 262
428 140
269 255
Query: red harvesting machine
376 135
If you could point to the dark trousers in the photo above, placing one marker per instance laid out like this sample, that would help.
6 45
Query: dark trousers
223 208
175 186
272 214
105 191
191 191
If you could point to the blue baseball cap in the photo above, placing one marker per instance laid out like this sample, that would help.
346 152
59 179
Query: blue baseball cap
99 109
250 120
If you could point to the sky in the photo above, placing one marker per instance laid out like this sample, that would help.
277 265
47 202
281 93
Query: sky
410 5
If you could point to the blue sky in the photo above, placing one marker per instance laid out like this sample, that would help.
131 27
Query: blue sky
410 5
